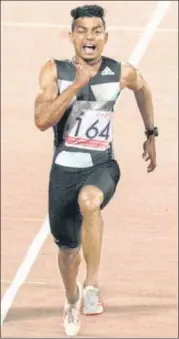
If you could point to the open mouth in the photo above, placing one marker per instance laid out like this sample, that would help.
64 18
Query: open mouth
89 48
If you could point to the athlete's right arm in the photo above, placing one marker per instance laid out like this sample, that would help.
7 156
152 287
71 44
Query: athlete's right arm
49 106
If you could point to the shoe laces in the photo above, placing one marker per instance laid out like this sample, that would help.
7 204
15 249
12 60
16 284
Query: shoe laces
71 313
92 296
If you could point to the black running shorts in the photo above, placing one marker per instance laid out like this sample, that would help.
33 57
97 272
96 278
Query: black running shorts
64 187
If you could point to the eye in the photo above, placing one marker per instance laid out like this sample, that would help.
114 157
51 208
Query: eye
80 31
98 31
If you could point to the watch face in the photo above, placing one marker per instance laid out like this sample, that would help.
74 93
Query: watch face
152 132
156 131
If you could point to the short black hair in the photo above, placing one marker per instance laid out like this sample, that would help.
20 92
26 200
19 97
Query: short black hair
87 11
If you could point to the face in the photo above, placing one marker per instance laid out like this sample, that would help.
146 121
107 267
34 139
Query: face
89 38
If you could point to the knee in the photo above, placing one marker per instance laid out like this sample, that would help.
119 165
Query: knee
90 199
69 257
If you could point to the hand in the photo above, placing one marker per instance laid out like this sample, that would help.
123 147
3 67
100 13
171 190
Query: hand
83 75
150 153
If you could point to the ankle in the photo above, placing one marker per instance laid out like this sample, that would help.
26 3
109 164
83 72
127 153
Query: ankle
73 299
90 282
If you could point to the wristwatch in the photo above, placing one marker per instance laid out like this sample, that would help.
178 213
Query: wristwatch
153 131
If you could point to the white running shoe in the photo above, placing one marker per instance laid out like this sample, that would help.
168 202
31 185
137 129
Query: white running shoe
92 303
71 317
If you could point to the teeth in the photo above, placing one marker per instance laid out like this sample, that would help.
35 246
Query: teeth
89 46
89 49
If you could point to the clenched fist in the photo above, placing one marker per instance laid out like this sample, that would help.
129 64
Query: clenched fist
83 75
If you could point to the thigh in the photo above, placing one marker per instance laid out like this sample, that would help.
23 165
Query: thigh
64 214
106 178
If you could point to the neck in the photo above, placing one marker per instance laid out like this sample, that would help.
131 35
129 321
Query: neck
93 62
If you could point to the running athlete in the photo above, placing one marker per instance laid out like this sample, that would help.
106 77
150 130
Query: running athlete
77 99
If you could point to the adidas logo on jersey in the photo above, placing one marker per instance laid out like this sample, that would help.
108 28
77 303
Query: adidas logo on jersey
107 71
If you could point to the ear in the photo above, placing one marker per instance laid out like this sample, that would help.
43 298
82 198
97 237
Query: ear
71 37
106 37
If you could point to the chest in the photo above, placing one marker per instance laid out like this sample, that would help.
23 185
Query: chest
95 91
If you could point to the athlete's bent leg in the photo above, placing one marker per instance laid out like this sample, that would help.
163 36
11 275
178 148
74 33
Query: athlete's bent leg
90 199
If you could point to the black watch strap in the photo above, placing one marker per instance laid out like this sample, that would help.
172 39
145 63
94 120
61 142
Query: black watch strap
153 131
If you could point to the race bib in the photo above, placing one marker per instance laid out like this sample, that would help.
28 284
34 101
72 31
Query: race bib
88 129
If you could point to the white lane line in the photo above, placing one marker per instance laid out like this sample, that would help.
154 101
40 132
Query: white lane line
38 241
150 29
24 269
67 27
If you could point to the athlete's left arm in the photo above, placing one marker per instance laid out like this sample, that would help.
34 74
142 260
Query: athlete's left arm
131 78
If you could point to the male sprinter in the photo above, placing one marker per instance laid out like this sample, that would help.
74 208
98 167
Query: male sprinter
77 98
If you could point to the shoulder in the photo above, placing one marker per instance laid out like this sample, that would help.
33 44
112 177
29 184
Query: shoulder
128 70
51 70
48 72
130 75
51 65
54 69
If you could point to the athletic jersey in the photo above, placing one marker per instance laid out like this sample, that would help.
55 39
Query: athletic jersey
83 136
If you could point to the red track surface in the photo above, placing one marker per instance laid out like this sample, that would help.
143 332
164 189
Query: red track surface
138 272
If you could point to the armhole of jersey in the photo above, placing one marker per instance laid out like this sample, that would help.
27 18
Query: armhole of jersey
57 64
121 64
120 69
55 128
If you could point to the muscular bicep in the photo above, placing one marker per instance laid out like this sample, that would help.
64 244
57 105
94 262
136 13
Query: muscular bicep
131 78
48 92
48 88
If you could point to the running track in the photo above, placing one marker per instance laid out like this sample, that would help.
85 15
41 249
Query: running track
139 265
